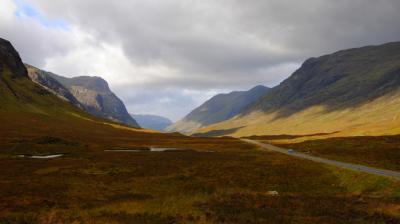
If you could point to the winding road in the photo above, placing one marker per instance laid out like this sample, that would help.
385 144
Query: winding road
351 166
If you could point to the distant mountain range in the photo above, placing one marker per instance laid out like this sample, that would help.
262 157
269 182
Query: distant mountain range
347 93
152 121
219 108
89 93
350 92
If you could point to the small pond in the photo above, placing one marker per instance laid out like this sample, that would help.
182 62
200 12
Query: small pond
41 156
153 149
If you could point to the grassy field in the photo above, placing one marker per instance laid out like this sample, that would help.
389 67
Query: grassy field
215 180
380 151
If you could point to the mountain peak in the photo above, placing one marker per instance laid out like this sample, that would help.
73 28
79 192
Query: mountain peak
96 97
259 88
11 59
94 83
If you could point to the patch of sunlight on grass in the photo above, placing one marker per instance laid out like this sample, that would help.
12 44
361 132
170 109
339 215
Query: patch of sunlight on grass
378 117
359 183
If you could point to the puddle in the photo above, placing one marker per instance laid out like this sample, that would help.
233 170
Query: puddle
41 157
165 149
145 150
125 150
153 149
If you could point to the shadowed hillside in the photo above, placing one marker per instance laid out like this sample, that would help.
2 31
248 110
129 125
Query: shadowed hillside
219 108
347 78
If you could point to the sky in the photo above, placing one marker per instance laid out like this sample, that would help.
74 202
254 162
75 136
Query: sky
167 57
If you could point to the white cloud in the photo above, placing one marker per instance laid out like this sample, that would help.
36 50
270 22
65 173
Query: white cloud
7 10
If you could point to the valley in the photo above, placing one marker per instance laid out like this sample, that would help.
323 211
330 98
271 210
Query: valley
88 185
320 147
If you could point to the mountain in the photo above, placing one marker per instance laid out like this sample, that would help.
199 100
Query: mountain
152 121
345 78
219 108
45 80
353 92
17 91
89 93
28 109
35 120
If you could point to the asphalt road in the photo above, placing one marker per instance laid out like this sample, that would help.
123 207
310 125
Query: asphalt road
351 166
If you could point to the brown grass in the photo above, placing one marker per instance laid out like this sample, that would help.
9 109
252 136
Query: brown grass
379 151
378 117
215 180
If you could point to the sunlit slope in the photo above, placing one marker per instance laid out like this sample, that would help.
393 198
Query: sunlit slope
380 117
353 92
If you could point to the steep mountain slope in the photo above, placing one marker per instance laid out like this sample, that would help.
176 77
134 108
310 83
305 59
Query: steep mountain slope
90 93
152 121
49 83
29 111
352 91
25 106
342 79
219 108
17 91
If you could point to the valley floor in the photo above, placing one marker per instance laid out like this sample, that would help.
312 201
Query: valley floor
214 180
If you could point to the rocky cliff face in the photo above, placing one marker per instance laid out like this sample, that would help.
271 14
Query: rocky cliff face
97 98
45 80
89 93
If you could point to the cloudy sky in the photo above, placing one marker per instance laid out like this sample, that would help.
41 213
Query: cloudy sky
166 57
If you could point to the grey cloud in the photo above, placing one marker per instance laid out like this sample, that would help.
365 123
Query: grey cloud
230 38
34 42
225 44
